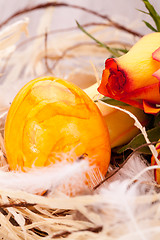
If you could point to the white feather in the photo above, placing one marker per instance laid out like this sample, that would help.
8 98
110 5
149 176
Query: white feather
127 218
135 165
65 176
126 213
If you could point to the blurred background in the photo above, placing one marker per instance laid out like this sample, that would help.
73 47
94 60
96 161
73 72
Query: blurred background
55 46
124 11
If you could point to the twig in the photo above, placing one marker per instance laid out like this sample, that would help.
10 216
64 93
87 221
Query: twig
66 233
21 204
68 50
90 24
50 32
112 173
83 44
62 4
46 55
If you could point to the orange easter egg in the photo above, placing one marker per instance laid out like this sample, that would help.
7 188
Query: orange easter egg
50 117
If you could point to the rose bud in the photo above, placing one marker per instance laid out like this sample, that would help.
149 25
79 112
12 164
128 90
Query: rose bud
153 162
50 117
134 78
120 125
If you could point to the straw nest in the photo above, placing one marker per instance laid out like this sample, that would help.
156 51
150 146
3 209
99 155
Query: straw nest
124 207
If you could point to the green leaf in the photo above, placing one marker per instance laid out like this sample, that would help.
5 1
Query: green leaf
153 135
122 50
113 101
157 120
142 11
113 51
150 26
152 12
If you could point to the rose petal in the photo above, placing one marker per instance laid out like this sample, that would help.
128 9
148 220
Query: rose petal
157 74
156 55
150 108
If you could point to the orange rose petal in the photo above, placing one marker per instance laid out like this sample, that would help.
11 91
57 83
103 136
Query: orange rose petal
156 171
156 55
157 74
150 108
157 175
153 162
102 87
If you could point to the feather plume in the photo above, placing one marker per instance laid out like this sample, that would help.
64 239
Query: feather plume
63 176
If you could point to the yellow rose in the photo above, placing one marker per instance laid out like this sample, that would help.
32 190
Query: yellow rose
134 78
120 125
